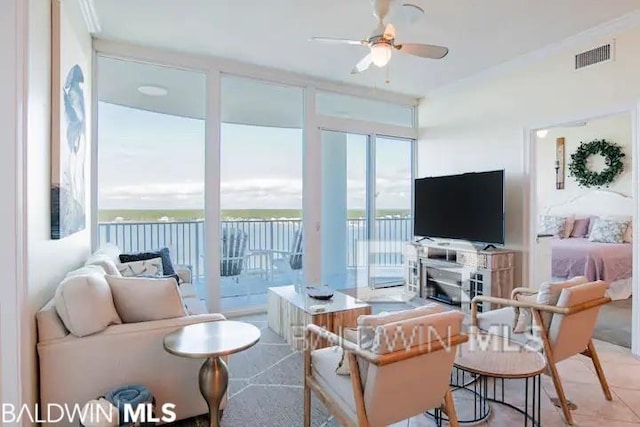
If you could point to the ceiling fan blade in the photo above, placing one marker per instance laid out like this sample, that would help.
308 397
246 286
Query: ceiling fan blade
363 64
423 50
389 32
381 8
339 41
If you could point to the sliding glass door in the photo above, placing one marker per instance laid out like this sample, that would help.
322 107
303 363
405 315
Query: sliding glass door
393 209
366 208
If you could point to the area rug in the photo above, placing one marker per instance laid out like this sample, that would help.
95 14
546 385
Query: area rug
265 386
266 382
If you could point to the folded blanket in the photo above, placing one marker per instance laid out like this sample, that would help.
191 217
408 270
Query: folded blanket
133 395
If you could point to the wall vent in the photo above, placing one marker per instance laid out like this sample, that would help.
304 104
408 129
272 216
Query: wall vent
597 55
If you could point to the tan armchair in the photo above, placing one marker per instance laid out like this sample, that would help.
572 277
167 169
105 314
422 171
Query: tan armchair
567 327
404 373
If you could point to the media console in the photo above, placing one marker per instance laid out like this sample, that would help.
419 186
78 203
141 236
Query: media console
454 275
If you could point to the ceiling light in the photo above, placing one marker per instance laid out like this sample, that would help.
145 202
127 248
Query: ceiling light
380 54
542 133
152 90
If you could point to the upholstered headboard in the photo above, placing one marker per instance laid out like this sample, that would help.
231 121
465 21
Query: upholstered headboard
597 203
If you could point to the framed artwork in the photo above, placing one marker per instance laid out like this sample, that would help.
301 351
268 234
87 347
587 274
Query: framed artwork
70 124
560 163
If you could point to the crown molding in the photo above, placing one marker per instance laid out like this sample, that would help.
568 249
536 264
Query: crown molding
607 29
90 16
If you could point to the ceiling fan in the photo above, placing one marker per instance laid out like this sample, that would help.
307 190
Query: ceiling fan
383 42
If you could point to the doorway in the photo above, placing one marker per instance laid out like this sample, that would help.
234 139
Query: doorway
567 212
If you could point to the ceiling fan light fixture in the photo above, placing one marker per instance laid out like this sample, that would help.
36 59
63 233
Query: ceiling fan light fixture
380 54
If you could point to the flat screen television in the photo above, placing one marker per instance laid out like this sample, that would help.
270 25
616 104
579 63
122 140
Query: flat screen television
469 206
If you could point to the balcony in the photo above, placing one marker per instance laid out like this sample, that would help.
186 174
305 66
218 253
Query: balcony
265 239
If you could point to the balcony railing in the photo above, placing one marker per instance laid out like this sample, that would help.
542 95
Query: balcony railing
186 239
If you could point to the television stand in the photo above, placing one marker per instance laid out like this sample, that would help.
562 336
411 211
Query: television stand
486 248
455 274
423 238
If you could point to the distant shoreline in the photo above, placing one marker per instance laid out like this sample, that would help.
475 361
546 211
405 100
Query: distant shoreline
167 215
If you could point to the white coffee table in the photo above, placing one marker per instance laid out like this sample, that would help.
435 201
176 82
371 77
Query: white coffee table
289 312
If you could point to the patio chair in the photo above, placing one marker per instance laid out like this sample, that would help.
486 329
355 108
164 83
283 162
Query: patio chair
388 382
290 261
567 326
233 253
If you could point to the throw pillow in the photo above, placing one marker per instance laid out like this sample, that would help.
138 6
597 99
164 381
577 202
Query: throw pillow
103 261
553 225
524 321
148 268
349 334
167 265
580 227
368 323
549 293
85 304
140 299
608 230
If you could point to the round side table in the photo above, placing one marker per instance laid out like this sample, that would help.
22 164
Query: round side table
212 340
481 367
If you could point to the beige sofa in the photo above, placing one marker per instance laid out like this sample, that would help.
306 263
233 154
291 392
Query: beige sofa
74 370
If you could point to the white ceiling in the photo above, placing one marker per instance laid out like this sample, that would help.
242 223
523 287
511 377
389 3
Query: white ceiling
245 101
480 33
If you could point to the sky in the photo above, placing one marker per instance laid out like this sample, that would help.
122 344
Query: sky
149 160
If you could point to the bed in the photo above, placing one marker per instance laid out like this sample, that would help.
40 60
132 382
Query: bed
577 256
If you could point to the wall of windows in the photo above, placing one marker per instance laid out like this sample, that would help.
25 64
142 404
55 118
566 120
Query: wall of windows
292 175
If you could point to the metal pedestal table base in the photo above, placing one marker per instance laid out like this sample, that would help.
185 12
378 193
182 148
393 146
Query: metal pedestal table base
213 380
487 389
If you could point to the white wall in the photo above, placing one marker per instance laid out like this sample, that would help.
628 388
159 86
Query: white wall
479 125
48 260
616 129
10 208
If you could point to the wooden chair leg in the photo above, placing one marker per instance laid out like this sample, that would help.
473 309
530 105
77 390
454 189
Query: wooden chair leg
450 409
307 372
553 371
560 392
593 354
307 406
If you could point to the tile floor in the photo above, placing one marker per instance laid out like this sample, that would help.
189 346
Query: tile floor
581 387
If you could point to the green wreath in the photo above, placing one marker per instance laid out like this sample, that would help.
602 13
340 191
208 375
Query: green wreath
612 154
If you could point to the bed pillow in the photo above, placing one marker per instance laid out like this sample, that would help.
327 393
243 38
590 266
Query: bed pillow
580 227
554 225
606 230
628 235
